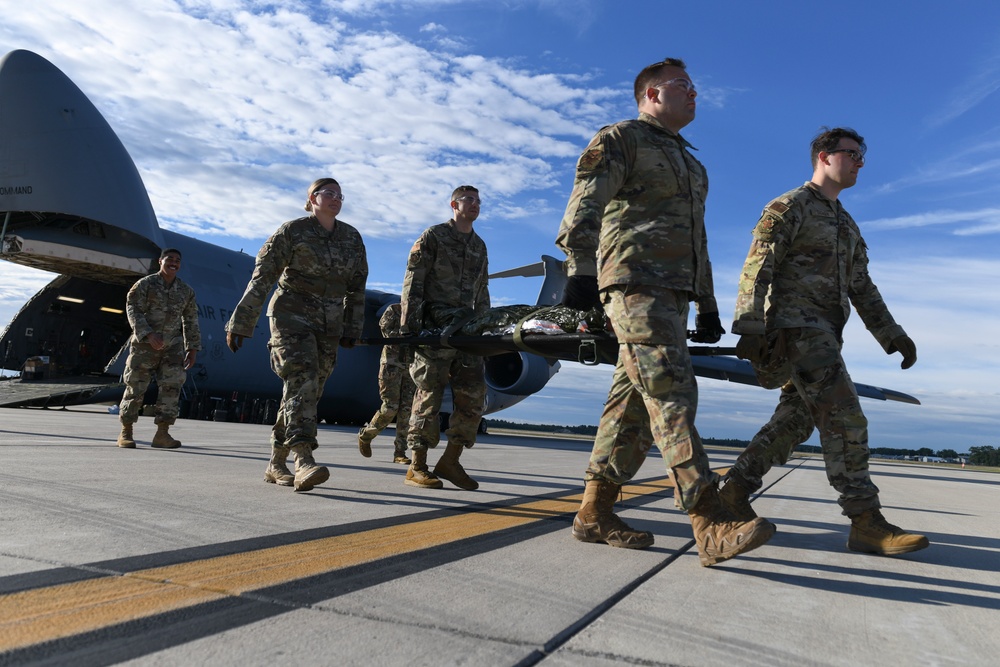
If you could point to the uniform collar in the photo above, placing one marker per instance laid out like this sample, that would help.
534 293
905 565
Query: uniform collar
814 189
163 281
646 118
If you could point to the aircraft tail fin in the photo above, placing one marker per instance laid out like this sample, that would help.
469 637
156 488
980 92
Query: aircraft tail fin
552 286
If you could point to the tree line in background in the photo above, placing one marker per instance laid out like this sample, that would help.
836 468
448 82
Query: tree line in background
980 456
984 456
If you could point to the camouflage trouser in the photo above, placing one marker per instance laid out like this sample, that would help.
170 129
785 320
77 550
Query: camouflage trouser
822 393
303 361
432 370
789 427
168 365
653 396
396 389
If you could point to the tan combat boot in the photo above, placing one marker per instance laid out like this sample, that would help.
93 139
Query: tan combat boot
399 456
125 438
735 497
162 439
277 472
365 437
307 473
872 534
418 475
720 535
596 522
450 469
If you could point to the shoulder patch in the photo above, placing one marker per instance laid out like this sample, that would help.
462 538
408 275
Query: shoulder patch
777 207
591 159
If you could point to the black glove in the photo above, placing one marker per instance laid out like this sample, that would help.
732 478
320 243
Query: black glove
347 342
234 340
752 347
905 346
707 328
581 293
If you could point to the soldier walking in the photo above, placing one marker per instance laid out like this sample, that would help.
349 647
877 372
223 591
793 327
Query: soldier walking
806 267
445 283
634 238
320 267
165 341
395 388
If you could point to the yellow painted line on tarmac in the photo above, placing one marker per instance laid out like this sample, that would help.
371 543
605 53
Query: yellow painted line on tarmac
55 612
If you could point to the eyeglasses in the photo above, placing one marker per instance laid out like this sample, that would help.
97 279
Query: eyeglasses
680 83
857 156
469 199
330 193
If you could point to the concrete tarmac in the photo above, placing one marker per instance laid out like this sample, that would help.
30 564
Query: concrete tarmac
186 557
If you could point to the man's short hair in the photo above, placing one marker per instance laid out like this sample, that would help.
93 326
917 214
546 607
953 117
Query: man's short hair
827 140
461 190
652 74
170 250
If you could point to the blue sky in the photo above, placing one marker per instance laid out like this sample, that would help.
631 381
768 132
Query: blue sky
230 109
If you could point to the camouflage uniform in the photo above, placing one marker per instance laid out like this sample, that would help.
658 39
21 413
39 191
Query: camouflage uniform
446 277
788 427
807 265
395 386
153 306
636 219
320 298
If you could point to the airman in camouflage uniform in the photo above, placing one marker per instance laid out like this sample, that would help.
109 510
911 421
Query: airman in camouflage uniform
634 238
165 341
806 267
446 284
395 388
320 267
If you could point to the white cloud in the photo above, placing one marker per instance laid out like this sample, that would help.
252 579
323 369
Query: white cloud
986 221
21 282
226 145
970 92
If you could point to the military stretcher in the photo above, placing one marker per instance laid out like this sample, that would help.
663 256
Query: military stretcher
591 345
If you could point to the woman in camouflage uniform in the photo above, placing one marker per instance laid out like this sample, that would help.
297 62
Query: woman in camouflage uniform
320 267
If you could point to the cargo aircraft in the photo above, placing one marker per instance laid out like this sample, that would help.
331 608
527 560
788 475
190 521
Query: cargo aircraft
72 203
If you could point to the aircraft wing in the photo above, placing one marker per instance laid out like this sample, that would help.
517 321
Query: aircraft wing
719 363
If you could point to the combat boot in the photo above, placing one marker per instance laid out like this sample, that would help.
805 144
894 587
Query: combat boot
162 439
418 475
450 469
365 437
872 534
720 535
735 497
307 473
277 472
125 438
596 522
400 457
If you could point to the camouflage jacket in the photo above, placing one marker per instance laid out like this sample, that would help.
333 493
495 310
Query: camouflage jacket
637 212
155 307
321 280
807 264
446 272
